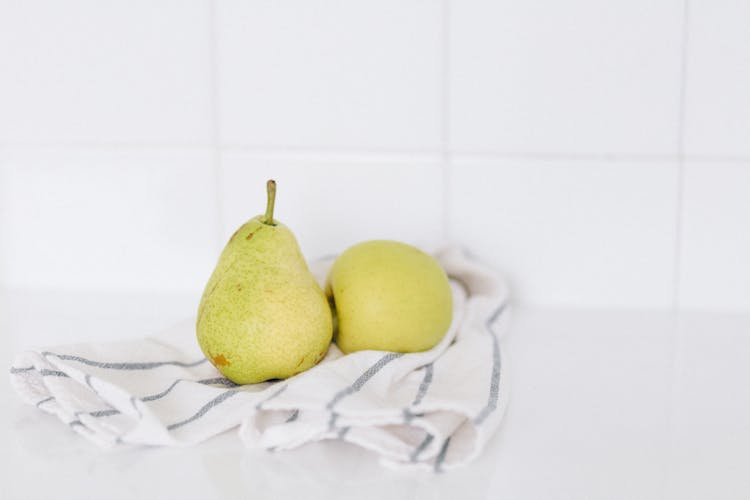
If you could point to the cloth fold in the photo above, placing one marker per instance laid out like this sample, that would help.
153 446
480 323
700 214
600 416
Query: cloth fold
435 409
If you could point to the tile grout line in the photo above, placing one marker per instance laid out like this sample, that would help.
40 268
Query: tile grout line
563 156
675 368
106 145
215 124
680 187
423 154
445 154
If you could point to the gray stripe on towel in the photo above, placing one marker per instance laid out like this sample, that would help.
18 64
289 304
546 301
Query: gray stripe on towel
421 447
22 369
162 393
40 403
205 409
495 376
332 420
218 381
146 365
207 381
441 456
292 417
104 413
409 415
358 384
362 379
424 385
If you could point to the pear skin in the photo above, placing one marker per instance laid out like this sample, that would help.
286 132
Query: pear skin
262 315
389 296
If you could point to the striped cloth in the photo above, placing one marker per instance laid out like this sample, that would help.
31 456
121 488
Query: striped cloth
434 409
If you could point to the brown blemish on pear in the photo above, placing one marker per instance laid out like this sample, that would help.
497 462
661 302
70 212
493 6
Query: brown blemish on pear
221 360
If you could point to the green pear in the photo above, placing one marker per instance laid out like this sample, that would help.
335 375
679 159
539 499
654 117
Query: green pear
389 296
262 315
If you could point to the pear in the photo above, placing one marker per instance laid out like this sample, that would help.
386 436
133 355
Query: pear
262 315
389 296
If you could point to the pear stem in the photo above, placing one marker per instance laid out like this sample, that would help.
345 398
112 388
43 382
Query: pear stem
271 189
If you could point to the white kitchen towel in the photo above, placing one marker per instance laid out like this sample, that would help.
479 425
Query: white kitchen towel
435 409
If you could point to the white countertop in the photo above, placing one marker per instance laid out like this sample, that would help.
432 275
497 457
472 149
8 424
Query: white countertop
604 404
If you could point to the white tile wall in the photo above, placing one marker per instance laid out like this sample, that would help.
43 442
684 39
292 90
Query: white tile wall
88 72
718 78
595 151
571 233
362 74
579 76
107 220
716 236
